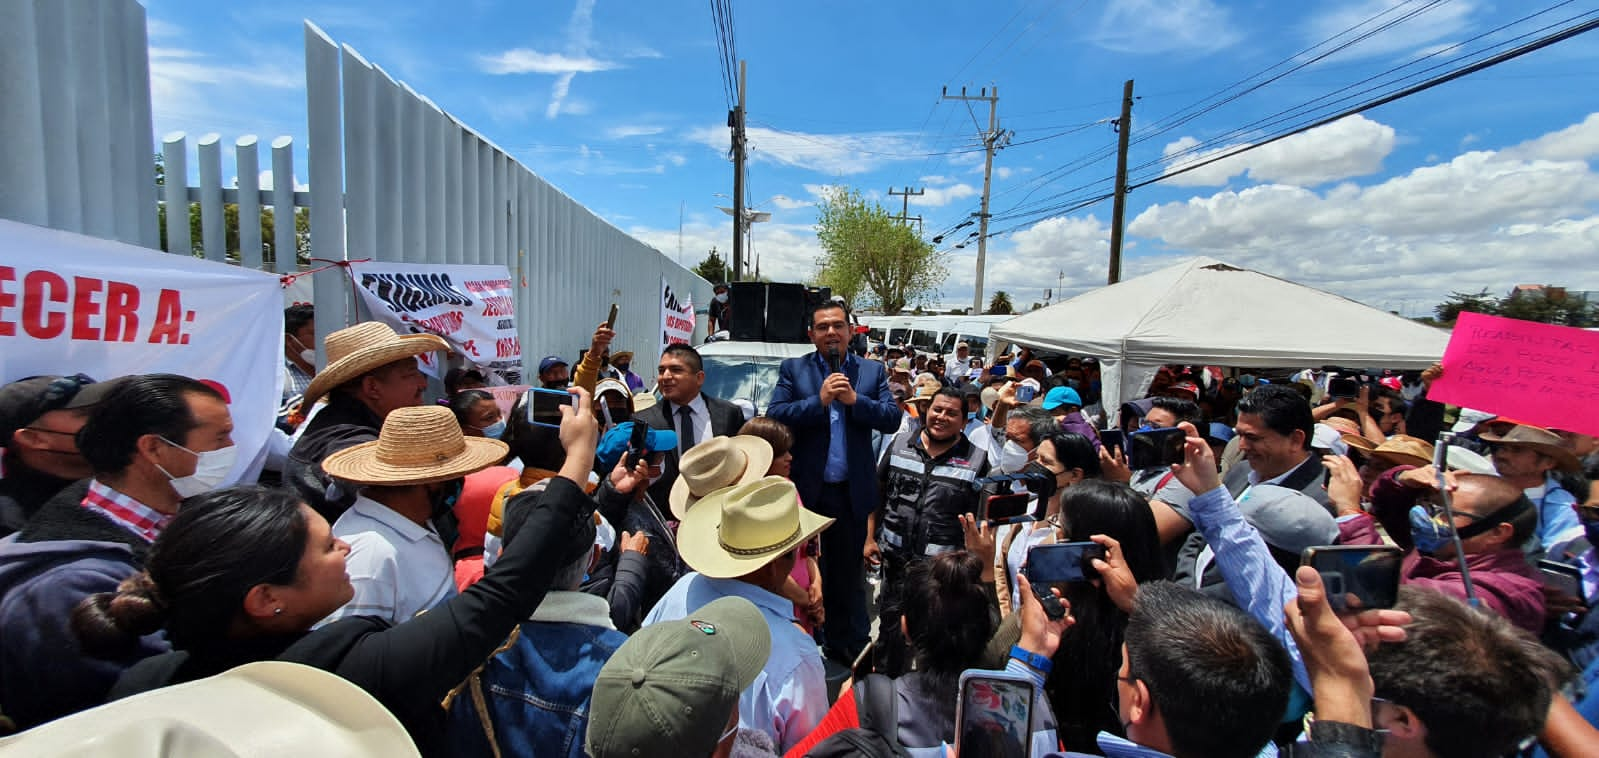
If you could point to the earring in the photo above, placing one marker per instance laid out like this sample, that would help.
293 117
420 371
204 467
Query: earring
277 611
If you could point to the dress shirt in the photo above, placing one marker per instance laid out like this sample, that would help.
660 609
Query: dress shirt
699 413
789 696
837 467
1557 521
124 511
398 567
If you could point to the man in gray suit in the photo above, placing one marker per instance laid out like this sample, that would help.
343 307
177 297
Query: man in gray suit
1274 429
684 409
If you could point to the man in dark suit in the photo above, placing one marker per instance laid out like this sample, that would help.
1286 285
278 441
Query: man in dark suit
833 401
1275 427
695 416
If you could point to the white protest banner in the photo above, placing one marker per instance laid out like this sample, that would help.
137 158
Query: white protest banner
472 307
677 317
73 304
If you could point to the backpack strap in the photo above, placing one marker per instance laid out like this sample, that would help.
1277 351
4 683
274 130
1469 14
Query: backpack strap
877 706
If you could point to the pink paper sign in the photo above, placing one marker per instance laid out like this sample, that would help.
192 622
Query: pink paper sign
1536 373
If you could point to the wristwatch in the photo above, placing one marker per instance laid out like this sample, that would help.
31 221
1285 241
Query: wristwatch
1323 732
1040 663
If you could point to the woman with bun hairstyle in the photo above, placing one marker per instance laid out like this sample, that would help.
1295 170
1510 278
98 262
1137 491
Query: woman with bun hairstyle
243 574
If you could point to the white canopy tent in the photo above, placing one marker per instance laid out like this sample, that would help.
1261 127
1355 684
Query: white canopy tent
1204 311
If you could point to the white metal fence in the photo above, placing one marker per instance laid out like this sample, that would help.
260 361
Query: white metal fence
392 177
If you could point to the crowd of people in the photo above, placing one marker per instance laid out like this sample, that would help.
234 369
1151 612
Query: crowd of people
662 572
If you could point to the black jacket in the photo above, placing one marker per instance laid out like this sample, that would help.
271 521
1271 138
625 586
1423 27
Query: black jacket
726 420
410 667
345 422
635 582
23 492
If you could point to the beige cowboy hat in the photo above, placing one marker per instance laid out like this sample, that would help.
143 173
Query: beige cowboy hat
258 710
643 401
355 350
626 356
1357 442
737 530
1541 440
419 445
1404 450
717 463
924 394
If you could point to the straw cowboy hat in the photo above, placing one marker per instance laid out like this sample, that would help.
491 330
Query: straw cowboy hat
717 463
419 445
924 394
736 531
258 710
643 401
355 350
1541 440
1404 450
626 356
1358 443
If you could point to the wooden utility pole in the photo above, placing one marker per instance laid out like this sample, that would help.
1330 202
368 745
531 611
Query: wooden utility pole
992 140
904 216
735 120
1124 127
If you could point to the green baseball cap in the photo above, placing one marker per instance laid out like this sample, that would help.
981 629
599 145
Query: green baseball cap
670 688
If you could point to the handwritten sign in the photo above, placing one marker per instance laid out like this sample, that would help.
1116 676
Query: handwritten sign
677 316
1537 373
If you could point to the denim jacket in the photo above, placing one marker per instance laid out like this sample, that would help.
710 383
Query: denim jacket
536 690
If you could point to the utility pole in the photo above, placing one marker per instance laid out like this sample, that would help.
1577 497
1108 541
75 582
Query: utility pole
735 120
993 139
904 216
1124 128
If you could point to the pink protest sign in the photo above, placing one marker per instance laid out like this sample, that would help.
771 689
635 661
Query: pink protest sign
1537 373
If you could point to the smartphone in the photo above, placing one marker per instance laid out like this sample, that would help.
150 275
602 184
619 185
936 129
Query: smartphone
1113 438
544 406
994 716
1562 577
1343 387
1025 394
1063 563
610 321
1357 577
1155 447
1009 508
638 437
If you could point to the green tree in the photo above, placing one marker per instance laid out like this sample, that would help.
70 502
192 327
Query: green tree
1478 302
871 259
230 225
1000 305
713 269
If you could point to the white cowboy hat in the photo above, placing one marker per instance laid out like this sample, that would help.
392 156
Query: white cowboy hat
355 350
417 445
263 709
717 463
736 531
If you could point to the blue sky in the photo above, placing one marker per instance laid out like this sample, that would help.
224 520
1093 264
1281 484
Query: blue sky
1488 181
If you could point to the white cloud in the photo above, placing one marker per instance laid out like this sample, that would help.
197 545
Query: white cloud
1483 219
1155 27
1577 142
525 61
936 197
1349 147
626 131
1417 34
1003 172
266 182
835 154
787 203
937 179
787 252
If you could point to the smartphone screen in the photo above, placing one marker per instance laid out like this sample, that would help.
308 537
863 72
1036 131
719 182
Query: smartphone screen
994 715
1562 577
1357 578
1112 439
1063 563
544 406
1155 447
1007 509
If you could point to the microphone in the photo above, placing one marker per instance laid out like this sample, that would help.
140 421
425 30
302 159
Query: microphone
833 359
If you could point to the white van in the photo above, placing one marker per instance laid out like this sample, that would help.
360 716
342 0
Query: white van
972 330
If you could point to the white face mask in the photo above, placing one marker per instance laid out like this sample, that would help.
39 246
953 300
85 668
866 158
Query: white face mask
1012 458
210 470
721 297
306 354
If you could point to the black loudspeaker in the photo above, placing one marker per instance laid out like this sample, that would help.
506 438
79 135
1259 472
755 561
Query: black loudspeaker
747 303
786 313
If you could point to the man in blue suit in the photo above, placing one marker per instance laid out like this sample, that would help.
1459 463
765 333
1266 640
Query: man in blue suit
833 401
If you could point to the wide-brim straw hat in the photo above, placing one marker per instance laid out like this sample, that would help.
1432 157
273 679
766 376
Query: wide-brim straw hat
643 401
1404 450
626 356
262 709
417 445
735 531
718 463
1541 440
358 349
1357 442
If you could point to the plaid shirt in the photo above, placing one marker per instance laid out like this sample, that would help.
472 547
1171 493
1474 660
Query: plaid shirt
126 512
295 380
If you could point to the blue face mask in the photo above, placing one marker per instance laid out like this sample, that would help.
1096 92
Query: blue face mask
495 430
1428 534
972 416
